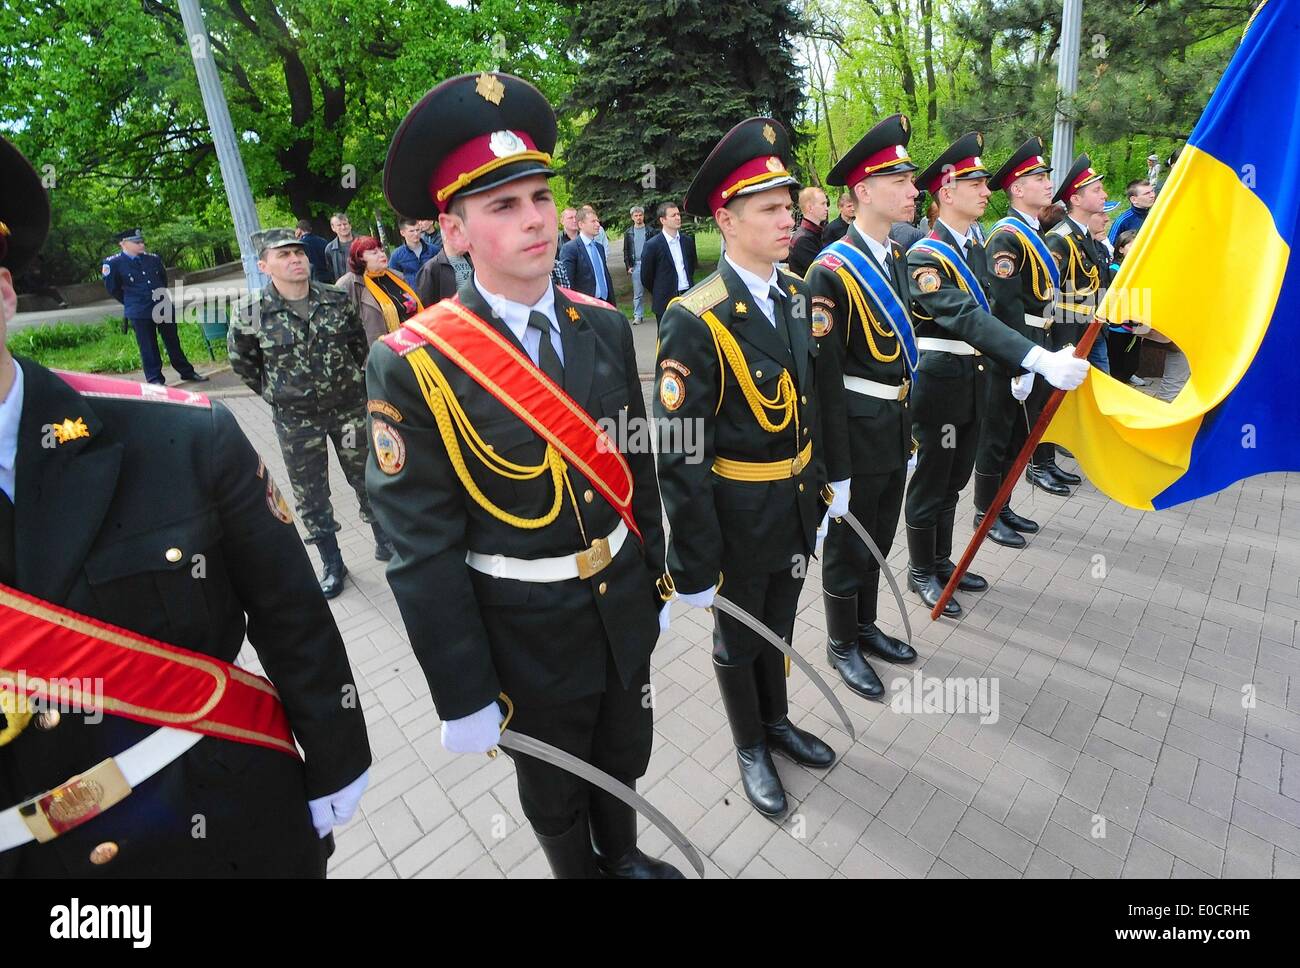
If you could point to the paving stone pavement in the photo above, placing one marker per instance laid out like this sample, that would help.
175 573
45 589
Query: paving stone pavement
1148 722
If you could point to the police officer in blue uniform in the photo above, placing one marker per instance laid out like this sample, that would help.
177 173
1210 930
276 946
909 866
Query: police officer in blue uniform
138 280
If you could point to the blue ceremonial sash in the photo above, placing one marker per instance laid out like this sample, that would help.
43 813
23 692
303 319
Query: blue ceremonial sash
1031 238
946 252
871 279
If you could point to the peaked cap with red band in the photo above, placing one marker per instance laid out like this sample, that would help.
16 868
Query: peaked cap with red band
752 157
1080 175
1028 160
881 151
960 161
469 134
24 209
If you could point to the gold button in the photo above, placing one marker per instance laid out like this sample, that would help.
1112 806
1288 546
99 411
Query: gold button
805 431
602 588
801 486
103 853
758 373
48 720
588 496
803 400
980 367
173 555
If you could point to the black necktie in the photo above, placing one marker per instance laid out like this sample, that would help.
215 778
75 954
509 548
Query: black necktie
547 358
8 551
778 315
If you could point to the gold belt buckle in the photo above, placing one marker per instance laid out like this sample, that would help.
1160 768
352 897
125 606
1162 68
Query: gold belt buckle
85 796
796 466
594 559
904 388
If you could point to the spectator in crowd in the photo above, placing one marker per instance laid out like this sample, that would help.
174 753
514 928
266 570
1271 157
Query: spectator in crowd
1153 168
568 225
380 296
336 250
837 227
1124 342
430 234
634 240
408 257
807 241
315 247
138 280
443 275
668 260
1141 196
584 258
1051 215
1099 226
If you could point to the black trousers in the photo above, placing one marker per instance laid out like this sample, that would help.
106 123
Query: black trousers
1125 352
941 471
613 731
1006 425
848 566
146 337
772 598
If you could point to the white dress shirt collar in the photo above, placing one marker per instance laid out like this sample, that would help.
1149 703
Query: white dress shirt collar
1025 217
759 288
961 238
11 410
515 316
880 250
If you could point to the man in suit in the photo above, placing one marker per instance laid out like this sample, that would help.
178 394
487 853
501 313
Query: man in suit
668 261
138 280
527 569
839 225
865 375
744 518
958 338
584 258
172 543
1085 274
1021 294
807 241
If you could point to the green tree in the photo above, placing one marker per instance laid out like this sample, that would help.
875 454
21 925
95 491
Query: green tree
659 82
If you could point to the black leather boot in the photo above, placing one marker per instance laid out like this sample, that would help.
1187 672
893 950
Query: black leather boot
570 854
842 647
773 709
920 570
986 489
871 640
1039 473
383 547
757 771
1062 475
613 838
1018 522
331 579
943 565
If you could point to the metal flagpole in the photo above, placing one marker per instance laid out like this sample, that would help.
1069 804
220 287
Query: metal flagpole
1067 83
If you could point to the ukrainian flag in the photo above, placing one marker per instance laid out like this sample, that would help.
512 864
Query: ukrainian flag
1212 270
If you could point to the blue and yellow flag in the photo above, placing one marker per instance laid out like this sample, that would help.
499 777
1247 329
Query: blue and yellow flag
1212 270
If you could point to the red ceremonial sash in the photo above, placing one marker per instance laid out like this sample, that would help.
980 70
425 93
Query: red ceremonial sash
497 365
52 652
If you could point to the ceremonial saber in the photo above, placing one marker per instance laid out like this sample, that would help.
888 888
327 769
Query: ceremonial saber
1009 482
744 618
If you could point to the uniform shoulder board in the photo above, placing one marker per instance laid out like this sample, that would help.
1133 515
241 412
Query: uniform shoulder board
402 341
705 296
1061 228
583 299
332 291
94 385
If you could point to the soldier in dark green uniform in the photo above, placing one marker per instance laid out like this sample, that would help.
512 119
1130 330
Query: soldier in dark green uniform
1085 274
864 367
955 332
301 347
1021 293
737 358
523 571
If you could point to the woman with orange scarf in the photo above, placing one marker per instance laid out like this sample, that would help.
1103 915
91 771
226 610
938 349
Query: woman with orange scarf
382 298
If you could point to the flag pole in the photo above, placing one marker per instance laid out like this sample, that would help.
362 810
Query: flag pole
1009 482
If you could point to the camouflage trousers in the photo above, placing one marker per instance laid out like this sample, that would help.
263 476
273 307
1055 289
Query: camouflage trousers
306 458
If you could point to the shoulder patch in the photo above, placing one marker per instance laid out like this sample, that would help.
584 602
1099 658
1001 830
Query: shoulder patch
830 260
389 448
822 321
583 299
927 279
105 269
385 408
1004 266
705 296
671 364
94 385
672 389
402 341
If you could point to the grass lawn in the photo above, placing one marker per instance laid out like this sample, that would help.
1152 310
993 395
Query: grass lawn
102 347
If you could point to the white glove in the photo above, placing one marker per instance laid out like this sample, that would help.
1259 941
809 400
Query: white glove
821 533
839 505
476 733
1021 386
702 599
663 617
337 808
1061 369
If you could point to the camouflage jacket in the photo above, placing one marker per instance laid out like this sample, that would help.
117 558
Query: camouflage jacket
306 366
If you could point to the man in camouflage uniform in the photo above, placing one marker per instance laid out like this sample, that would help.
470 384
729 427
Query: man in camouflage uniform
301 347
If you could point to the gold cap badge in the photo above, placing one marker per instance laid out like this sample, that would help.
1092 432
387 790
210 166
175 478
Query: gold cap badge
490 88
70 430
769 134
